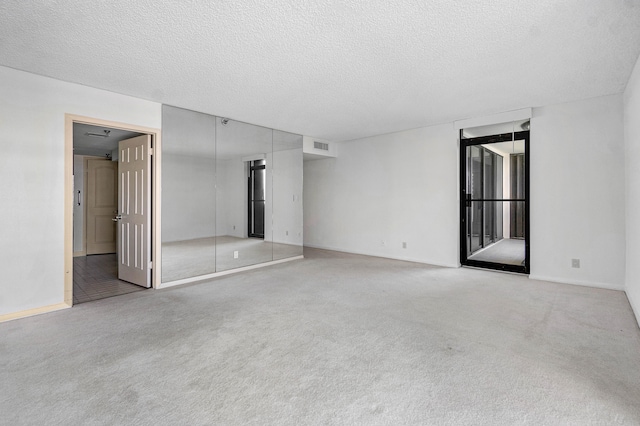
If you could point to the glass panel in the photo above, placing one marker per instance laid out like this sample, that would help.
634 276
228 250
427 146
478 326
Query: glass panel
499 193
474 220
217 214
287 195
258 182
509 251
475 177
488 187
243 220
188 194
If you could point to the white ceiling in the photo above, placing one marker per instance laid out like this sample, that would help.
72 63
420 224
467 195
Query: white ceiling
331 69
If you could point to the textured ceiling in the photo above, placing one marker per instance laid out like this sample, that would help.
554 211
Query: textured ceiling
84 144
326 68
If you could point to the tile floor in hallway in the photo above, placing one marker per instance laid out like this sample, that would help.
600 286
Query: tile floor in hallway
96 277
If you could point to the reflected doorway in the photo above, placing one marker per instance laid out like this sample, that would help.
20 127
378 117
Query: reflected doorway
494 189
257 197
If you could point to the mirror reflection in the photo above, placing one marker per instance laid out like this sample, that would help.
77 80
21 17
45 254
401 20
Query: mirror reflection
287 195
231 196
244 188
188 194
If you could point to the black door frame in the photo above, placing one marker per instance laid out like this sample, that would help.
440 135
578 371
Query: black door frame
250 216
464 201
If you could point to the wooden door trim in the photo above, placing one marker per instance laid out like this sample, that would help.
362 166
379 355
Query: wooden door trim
156 162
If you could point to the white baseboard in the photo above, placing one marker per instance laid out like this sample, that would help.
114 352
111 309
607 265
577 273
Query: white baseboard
223 273
605 286
34 311
403 258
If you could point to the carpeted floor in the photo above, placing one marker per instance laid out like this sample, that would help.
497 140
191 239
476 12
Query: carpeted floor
202 256
331 339
506 251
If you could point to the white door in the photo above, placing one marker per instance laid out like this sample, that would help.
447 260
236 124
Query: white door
134 210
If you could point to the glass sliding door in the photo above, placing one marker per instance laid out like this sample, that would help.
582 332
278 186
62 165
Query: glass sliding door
484 181
494 209
257 194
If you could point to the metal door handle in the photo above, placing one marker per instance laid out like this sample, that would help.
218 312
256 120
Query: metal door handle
117 218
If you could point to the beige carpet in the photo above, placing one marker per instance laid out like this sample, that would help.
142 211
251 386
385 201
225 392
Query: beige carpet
505 251
333 339
202 256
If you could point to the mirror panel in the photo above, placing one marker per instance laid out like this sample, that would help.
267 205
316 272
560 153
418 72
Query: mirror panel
244 188
287 161
231 194
188 193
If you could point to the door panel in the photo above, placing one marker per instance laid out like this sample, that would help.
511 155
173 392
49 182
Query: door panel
257 201
494 211
134 202
517 191
102 204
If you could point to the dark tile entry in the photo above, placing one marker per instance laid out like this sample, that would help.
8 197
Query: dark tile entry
96 277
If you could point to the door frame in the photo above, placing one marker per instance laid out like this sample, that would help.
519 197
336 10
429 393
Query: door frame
484 140
250 201
156 201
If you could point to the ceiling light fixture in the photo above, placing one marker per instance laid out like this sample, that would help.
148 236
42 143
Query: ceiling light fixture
99 135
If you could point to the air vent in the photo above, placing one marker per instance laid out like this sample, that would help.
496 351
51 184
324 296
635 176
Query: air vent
321 145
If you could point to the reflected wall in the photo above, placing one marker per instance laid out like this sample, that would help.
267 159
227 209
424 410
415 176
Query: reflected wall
231 196
287 161
239 145
188 193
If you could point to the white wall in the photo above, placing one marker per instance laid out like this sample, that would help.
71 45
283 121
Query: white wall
231 193
632 175
403 187
287 196
400 187
189 197
32 124
577 192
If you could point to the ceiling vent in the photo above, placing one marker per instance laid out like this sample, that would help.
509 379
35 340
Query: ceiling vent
321 145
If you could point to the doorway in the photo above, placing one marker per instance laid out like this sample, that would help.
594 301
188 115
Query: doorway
99 179
494 193
257 197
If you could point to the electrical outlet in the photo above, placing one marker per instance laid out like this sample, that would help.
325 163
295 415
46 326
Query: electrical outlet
575 263
236 254
404 244
234 227
287 233
382 243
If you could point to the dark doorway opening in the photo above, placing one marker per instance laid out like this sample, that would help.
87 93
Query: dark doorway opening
257 197
494 207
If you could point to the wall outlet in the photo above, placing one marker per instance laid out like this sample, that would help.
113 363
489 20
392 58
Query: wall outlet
236 254
575 263
404 244
287 233
234 227
382 243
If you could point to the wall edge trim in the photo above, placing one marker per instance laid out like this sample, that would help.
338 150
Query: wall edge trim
34 311
402 258
593 284
200 278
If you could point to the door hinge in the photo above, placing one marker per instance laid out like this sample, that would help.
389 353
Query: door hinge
150 265
150 151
